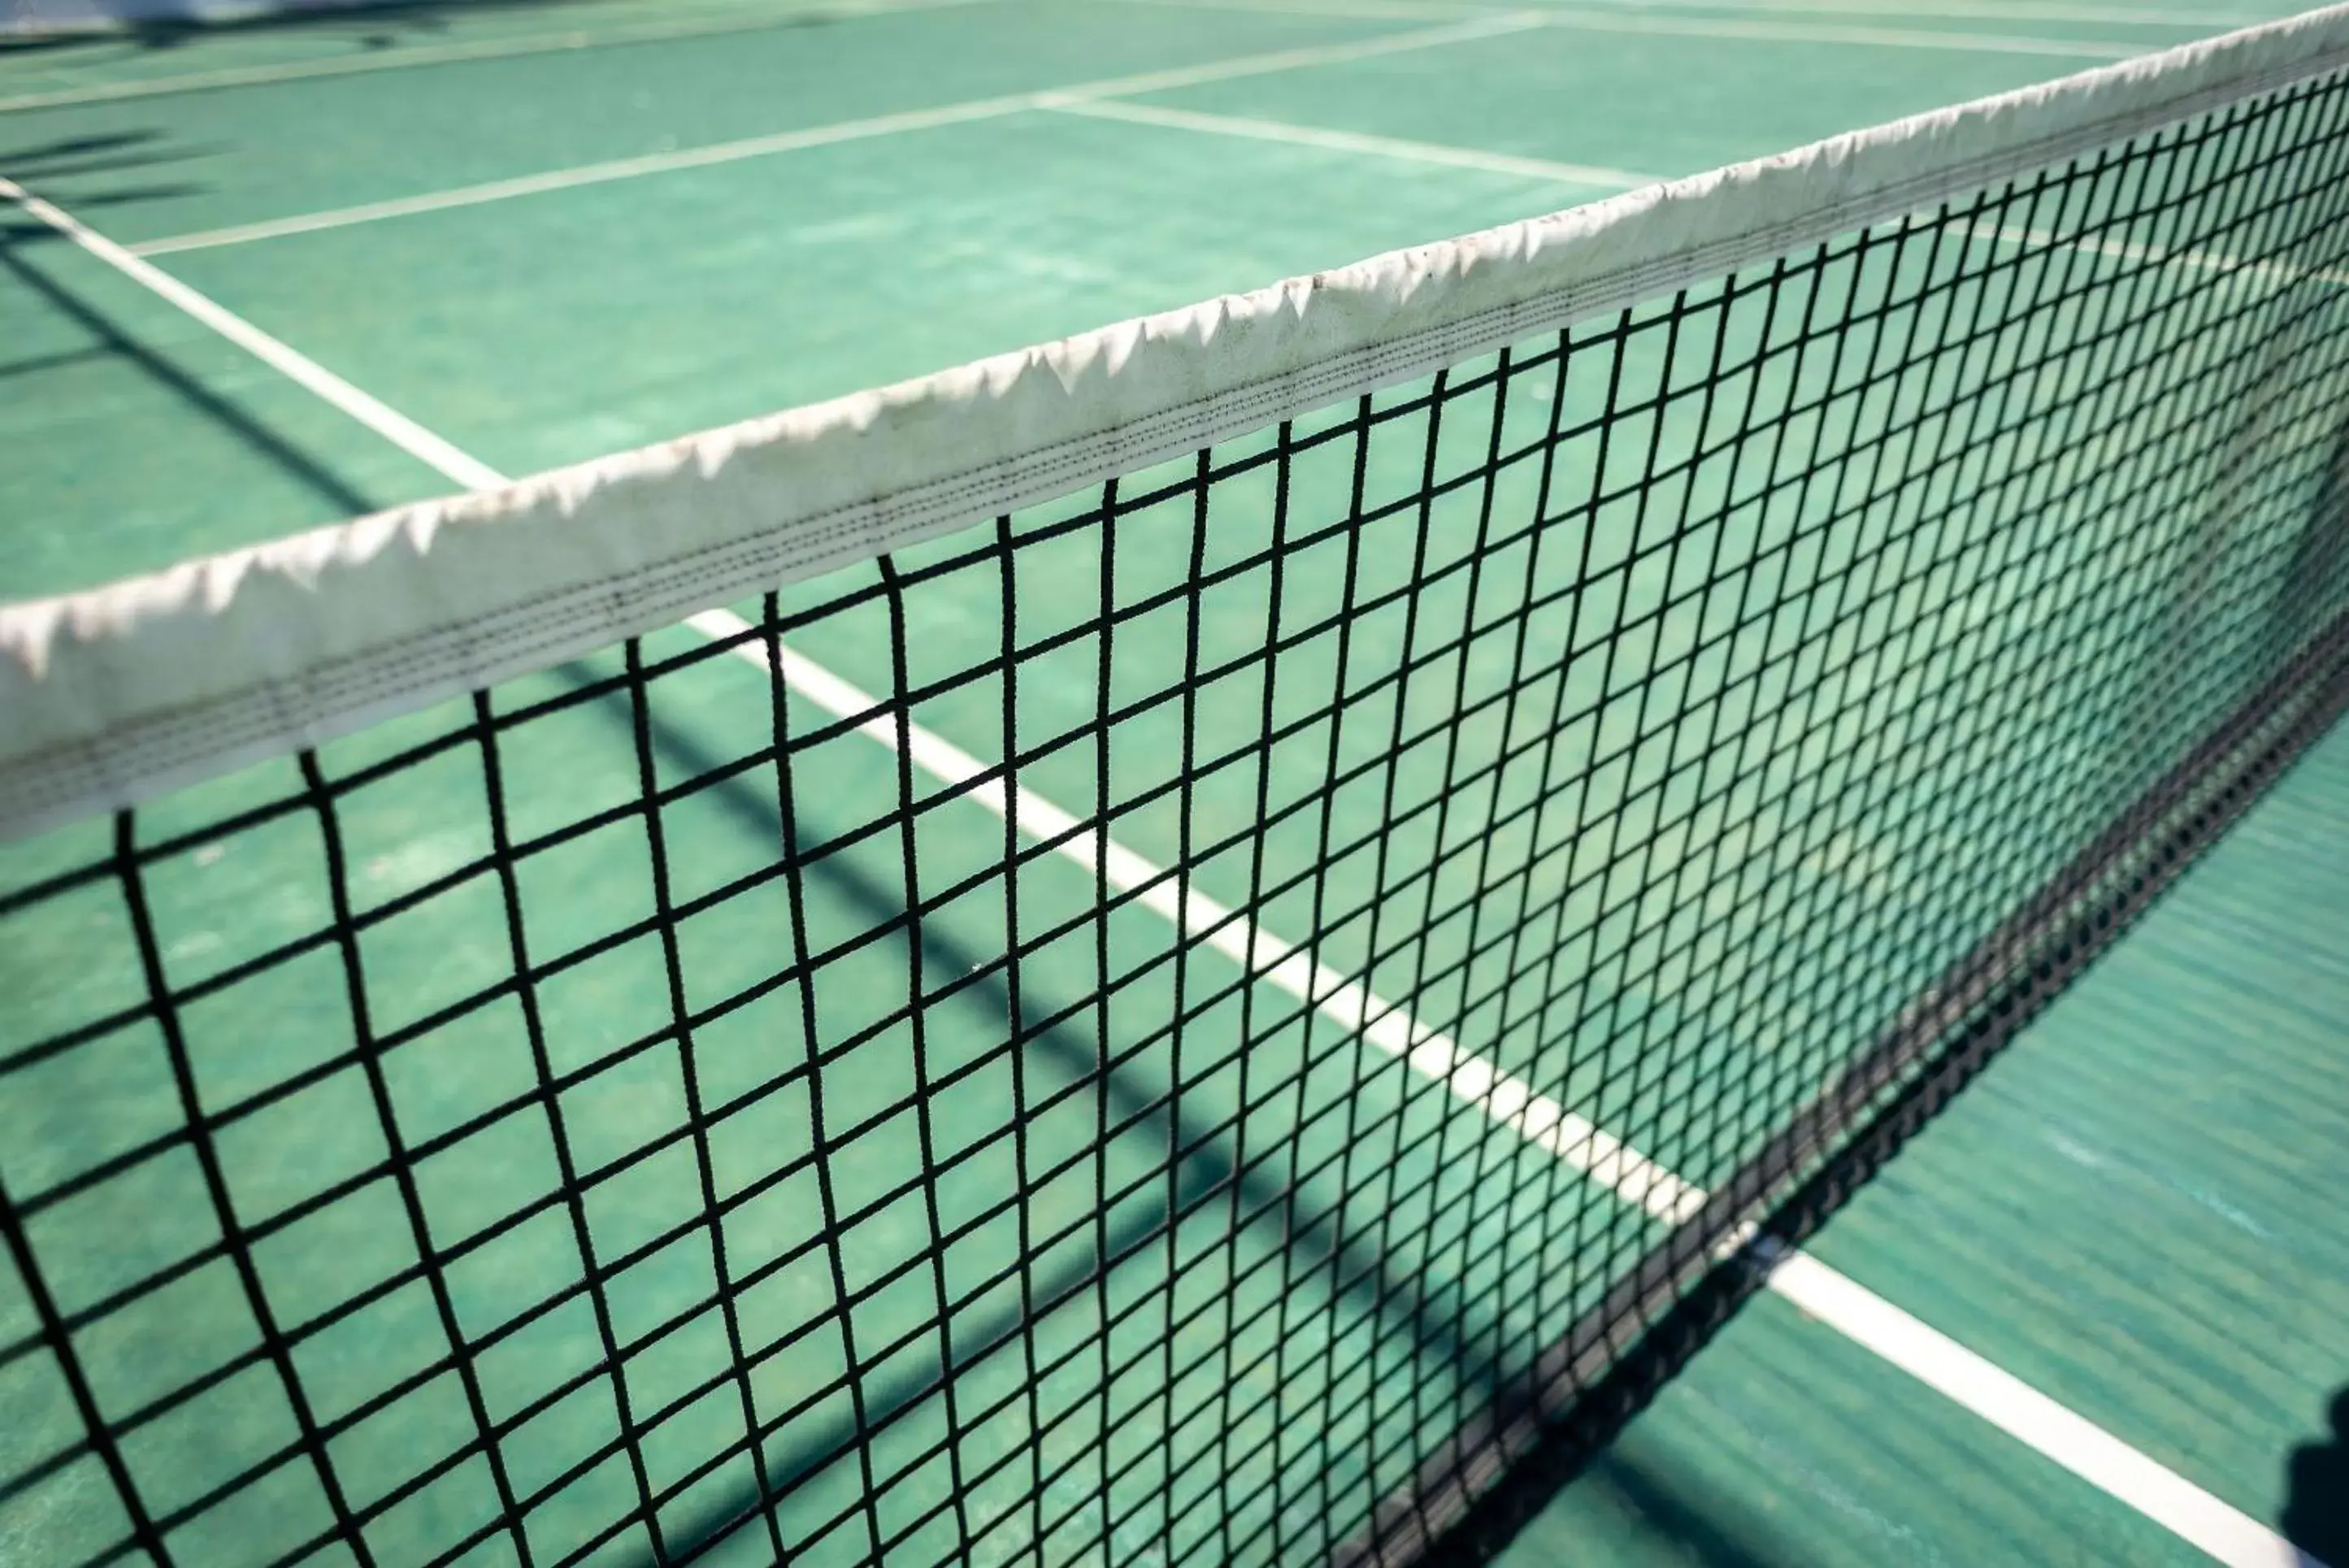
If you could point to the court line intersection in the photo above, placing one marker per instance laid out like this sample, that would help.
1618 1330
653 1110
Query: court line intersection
1841 1304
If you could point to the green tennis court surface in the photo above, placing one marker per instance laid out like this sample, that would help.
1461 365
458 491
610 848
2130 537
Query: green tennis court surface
546 233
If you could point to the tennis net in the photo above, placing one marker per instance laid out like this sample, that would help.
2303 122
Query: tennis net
1250 926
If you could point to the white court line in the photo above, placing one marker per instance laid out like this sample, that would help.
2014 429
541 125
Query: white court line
1873 37
450 53
1624 178
1630 21
844 131
1588 174
1501 1096
2137 250
1350 141
385 421
1992 11
574 178
2103 1461
2226 1533
1480 27
1366 10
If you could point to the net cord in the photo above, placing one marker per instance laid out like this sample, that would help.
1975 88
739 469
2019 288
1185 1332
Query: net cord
1477 1489
113 696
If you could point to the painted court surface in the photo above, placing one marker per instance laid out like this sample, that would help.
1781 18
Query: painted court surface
544 233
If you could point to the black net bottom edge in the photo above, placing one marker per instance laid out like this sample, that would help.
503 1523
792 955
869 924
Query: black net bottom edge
1471 1498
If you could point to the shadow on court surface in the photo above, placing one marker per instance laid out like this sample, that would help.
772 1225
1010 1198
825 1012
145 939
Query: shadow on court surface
370 25
2316 1489
374 27
1686 1520
109 152
1692 1519
113 341
1144 1109
36 164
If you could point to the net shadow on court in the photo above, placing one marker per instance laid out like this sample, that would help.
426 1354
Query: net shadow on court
1239 982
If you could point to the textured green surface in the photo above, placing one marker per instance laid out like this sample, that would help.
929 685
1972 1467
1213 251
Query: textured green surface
396 133
903 254
1656 104
1785 1445
2132 1212
2135 1210
133 436
2139 1209
554 327
404 35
